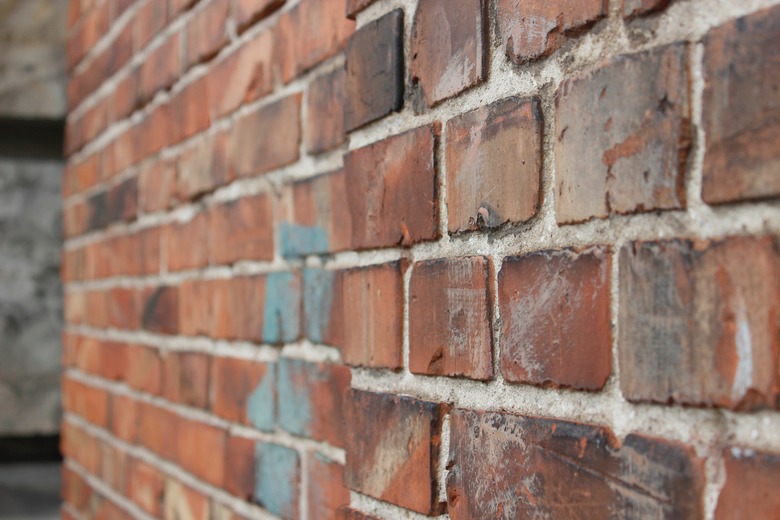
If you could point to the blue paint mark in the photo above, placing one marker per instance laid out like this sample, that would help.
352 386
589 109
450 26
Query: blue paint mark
317 302
282 312
261 404
276 478
298 240
295 411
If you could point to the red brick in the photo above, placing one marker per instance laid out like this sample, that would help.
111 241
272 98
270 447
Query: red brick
78 445
201 450
160 310
499 145
178 6
204 166
376 295
207 30
699 325
75 490
157 186
355 6
190 108
326 491
156 132
150 19
394 441
375 71
144 369
249 11
544 467
124 417
240 467
391 190
123 308
750 490
183 502
740 111
243 76
533 29
156 429
279 148
555 314
310 33
146 487
347 513
186 378
120 50
449 47
187 243
238 385
623 136
113 468
89 402
126 96
325 112
161 68
449 318
640 7
242 230
93 26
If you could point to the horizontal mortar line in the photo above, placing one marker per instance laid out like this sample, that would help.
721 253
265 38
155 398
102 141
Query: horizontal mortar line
710 223
699 427
169 469
70 509
302 350
107 492
280 437
386 510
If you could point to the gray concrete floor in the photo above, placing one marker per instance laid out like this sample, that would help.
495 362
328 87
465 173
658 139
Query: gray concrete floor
30 491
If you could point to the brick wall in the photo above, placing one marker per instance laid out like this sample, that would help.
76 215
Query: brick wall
480 259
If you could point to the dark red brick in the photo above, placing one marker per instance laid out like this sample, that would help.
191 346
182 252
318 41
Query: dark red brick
555 314
449 47
160 310
240 467
391 190
394 441
161 69
698 324
741 111
623 136
750 490
375 71
449 318
325 112
186 378
207 30
241 230
511 466
157 186
499 145
244 391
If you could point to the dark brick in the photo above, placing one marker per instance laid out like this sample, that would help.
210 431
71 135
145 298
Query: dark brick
556 327
750 490
375 71
449 318
741 110
449 47
623 136
325 112
394 441
123 200
391 190
499 145
240 462
509 466
160 312
698 324
187 378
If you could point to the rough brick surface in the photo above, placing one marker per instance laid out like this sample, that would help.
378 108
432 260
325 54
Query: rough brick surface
327 492
749 491
394 440
555 318
496 145
699 325
742 109
622 136
448 47
325 112
449 318
510 466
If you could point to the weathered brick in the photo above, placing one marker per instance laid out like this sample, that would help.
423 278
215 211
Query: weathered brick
281 308
750 490
494 164
200 450
511 466
391 190
315 218
243 76
375 71
183 502
394 441
555 314
249 11
376 295
741 111
449 47
697 324
533 29
323 306
325 112
190 109
244 391
160 310
157 186
204 166
187 243
640 7
150 19
310 399
623 136
326 490
146 487
207 30
309 33
161 68
449 318
186 378
241 230
277 479
240 467
252 156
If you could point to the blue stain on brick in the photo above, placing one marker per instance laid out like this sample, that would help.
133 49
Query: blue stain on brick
276 479
261 404
298 240
295 411
282 313
318 301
